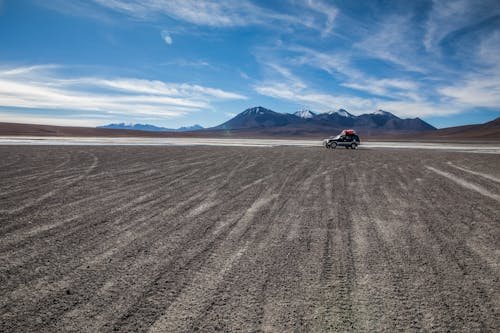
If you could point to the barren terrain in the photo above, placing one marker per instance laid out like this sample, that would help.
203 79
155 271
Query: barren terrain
248 239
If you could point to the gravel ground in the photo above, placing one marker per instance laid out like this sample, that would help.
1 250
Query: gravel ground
246 239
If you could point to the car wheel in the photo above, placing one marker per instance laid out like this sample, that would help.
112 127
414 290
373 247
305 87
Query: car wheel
333 145
353 146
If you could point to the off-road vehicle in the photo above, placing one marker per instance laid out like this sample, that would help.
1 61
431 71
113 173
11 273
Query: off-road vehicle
346 138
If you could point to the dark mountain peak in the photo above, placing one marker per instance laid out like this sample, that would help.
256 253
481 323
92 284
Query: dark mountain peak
344 113
256 110
340 113
258 117
381 112
305 113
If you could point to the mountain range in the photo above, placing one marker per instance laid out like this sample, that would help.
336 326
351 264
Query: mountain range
151 128
259 120
487 132
262 120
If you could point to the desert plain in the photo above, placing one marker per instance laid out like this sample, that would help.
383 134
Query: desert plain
248 239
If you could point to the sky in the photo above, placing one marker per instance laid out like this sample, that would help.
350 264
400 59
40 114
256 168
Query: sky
176 63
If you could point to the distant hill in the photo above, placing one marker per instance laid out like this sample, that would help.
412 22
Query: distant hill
16 129
486 131
261 120
151 128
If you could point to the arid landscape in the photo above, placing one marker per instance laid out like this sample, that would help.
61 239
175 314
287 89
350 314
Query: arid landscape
248 239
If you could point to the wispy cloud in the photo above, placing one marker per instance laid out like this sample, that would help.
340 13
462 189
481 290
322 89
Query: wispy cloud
325 9
402 97
477 91
26 87
395 40
188 63
16 71
450 18
80 8
244 75
288 86
387 88
227 13
334 63
316 100
479 87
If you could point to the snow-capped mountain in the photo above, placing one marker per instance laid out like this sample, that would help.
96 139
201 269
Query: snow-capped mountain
305 113
344 113
383 113
339 112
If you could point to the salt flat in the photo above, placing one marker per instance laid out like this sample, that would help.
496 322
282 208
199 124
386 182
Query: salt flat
102 141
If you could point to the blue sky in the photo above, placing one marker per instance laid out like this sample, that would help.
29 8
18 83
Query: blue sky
174 63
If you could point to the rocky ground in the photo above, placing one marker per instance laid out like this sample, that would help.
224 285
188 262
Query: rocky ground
246 239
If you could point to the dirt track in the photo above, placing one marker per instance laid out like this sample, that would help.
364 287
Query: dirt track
182 239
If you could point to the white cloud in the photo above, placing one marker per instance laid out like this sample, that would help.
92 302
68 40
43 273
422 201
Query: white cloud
166 37
27 69
478 91
389 88
327 10
28 87
411 109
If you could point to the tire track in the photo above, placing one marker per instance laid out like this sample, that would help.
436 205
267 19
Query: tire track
51 193
465 184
